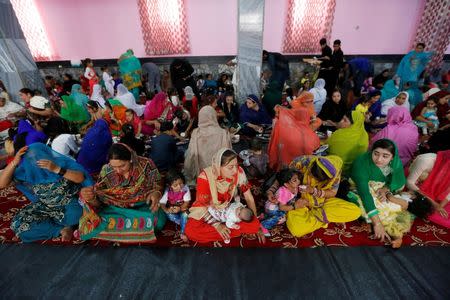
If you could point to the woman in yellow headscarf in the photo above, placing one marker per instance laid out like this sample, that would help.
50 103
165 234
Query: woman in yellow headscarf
350 141
318 205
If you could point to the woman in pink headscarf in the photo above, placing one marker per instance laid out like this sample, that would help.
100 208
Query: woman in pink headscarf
158 110
402 131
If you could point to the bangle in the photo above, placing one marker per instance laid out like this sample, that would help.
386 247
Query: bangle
293 206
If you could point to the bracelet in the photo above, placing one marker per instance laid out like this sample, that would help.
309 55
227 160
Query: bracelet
293 206
62 171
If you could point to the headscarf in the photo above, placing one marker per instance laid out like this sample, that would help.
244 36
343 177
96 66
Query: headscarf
291 137
306 100
320 94
348 143
33 135
97 95
28 174
365 170
189 93
259 117
442 109
389 90
402 131
205 141
78 96
412 65
74 112
430 92
130 70
437 184
114 189
94 149
128 100
158 108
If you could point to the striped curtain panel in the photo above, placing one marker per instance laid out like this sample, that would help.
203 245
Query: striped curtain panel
307 22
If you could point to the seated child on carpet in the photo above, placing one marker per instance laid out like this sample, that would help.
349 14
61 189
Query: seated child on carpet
285 197
429 116
255 160
175 200
133 120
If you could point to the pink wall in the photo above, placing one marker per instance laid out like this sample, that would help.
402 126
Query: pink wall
106 28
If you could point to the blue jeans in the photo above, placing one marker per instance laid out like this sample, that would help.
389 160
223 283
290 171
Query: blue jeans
272 218
179 219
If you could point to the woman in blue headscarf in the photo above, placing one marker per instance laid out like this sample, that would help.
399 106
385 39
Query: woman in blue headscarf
30 134
415 95
52 182
413 64
78 96
252 115
94 149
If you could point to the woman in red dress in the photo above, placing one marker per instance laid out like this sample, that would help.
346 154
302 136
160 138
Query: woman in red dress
216 186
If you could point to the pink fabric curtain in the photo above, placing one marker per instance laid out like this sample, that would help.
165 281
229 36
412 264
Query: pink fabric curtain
434 30
33 28
307 22
164 26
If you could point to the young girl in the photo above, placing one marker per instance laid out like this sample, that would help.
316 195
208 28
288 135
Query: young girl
175 200
132 119
90 74
285 197
428 117
255 160
108 81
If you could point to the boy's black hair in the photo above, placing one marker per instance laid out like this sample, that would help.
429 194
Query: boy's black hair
166 126
421 207
285 175
256 145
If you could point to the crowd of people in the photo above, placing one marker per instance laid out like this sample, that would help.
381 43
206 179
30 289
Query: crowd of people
114 156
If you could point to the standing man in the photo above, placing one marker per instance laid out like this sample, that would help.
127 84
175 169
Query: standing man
279 66
151 72
337 63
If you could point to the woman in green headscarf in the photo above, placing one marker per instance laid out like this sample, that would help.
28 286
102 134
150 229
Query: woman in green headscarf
130 72
349 141
74 107
378 174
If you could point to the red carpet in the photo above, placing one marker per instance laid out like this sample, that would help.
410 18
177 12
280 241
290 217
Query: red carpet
355 233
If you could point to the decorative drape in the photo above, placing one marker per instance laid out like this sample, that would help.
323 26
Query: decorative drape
33 28
434 30
307 22
164 26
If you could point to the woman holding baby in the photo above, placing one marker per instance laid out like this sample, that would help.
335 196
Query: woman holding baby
217 187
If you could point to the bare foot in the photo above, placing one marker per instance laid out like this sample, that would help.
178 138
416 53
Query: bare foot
184 238
66 234
397 243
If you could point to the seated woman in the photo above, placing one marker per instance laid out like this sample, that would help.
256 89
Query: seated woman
378 174
123 206
370 106
96 143
158 110
128 100
52 182
7 108
31 131
390 88
306 100
115 115
217 185
429 175
319 94
164 152
253 115
402 131
230 109
318 205
350 141
332 112
128 138
74 111
205 141
291 137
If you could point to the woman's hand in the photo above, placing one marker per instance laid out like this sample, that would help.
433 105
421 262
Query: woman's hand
301 203
442 211
154 201
308 189
381 193
175 209
19 155
261 237
157 125
48 165
224 231
380 233
87 195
